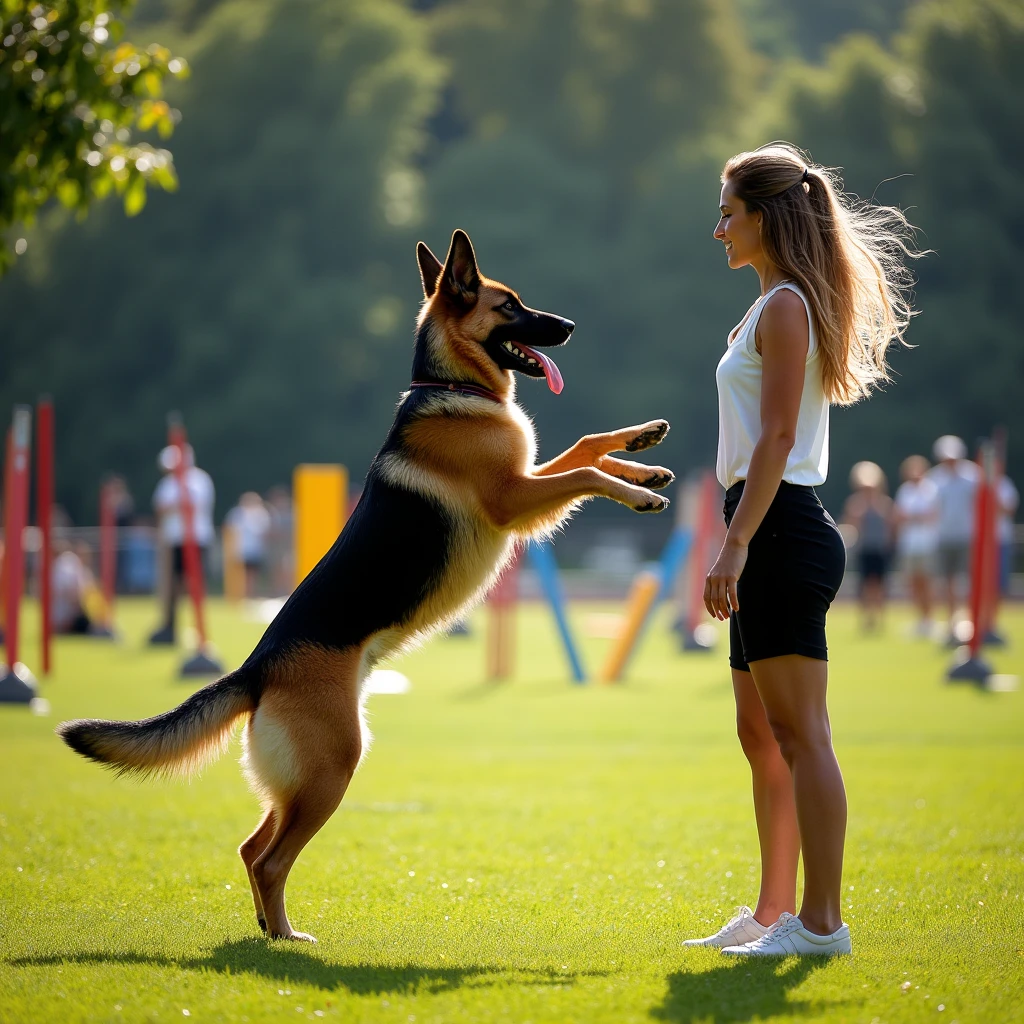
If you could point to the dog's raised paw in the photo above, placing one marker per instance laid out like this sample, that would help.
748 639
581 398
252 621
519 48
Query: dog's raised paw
652 433
656 504
658 479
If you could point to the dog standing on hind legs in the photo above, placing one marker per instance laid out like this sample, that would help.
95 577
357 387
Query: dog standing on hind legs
453 488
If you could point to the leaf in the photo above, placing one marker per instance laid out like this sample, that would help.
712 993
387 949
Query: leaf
135 197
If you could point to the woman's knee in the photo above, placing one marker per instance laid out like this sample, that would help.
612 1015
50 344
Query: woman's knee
756 739
799 736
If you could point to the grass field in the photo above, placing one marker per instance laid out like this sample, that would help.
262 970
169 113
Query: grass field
531 852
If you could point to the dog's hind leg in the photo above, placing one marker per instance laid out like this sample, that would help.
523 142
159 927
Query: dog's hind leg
250 850
304 745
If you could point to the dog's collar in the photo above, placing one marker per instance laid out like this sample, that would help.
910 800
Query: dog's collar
461 389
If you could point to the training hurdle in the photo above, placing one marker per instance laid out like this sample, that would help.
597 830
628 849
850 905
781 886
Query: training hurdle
320 501
649 588
17 684
203 662
968 665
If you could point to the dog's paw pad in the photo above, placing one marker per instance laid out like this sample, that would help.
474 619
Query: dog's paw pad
648 437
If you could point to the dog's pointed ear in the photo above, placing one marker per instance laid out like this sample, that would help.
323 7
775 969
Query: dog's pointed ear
461 277
430 268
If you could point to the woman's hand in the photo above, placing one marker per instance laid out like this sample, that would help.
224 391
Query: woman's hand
720 584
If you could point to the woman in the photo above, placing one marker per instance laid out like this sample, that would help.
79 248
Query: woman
831 302
917 513
869 510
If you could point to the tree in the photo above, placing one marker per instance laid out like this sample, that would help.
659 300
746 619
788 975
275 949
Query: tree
72 93
272 299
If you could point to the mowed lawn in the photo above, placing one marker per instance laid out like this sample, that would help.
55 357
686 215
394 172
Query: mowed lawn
526 852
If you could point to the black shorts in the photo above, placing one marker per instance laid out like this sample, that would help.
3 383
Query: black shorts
873 565
178 560
795 565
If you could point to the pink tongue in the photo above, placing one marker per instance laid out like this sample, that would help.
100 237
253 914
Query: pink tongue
551 372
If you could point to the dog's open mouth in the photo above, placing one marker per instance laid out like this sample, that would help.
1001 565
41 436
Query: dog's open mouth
534 362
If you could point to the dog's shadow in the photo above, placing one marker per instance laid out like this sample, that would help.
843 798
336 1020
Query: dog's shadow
285 963
748 990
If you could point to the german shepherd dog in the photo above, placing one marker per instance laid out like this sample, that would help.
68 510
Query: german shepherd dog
445 500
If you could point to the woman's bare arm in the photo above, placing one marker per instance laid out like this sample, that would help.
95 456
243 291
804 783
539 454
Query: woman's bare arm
784 337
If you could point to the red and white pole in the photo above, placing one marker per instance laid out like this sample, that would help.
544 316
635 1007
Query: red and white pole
44 514
15 518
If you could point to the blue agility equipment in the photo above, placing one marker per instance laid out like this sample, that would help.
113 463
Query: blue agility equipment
543 561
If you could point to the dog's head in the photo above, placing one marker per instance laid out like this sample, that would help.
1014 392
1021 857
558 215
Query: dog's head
472 328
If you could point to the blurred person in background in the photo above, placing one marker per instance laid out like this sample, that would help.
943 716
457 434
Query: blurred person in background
251 522
1008 499
956 483
917 537
280 549
869 510
71 584
171 528
124 513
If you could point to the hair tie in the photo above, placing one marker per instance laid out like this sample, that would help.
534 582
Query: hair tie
803 177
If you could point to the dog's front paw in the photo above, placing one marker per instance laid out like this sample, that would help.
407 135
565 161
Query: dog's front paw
655 503
659 477
648 436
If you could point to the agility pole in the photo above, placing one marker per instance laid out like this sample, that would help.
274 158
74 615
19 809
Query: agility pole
649 589
543 561
968 664
17 685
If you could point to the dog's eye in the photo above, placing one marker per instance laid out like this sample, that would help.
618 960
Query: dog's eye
510 306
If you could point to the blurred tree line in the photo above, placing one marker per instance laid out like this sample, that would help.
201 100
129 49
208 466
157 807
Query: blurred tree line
271 299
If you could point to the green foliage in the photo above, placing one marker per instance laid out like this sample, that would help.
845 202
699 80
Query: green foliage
582 834
71 94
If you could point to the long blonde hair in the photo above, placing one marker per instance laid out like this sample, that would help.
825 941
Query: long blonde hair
846 254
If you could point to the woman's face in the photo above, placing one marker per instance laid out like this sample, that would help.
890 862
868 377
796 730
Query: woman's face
739 230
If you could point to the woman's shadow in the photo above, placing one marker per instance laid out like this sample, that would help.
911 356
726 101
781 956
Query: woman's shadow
743 991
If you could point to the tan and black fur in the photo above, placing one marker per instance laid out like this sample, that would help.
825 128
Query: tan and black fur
453 487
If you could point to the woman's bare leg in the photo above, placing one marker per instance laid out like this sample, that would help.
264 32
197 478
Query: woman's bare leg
792 689
774 807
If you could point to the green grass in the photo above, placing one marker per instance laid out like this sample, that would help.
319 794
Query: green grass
531 852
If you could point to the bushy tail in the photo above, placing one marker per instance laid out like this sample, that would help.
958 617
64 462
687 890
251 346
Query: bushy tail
177 742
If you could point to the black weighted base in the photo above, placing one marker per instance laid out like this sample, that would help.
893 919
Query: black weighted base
969 670
17 685
993 638
201 664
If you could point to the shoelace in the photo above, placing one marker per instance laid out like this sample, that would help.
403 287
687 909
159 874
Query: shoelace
786 923
742 913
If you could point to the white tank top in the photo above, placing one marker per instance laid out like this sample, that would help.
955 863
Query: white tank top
739 405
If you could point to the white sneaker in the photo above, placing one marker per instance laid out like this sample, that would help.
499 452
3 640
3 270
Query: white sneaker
742 928
788 937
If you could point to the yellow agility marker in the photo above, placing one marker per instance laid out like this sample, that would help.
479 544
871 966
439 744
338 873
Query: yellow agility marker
321 506
642 596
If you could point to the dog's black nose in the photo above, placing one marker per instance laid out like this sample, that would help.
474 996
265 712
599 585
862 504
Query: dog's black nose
569 326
